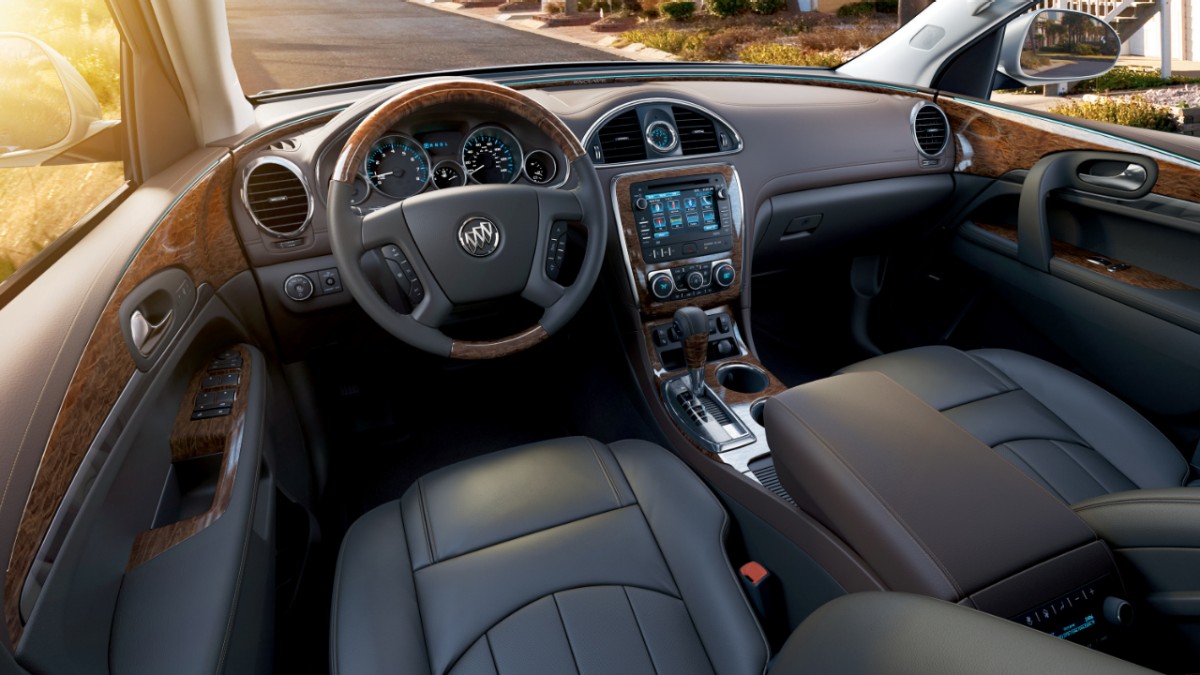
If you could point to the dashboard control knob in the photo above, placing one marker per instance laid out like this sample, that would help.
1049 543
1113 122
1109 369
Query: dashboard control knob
1117 611
721 193
695 281
724 275
662 286
298 287
641 204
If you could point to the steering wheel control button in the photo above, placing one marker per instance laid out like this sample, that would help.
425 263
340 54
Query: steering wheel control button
724 275
556 250
298 287
479 237
662 286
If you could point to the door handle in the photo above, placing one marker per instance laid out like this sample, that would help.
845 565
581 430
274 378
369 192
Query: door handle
145 333
1131 179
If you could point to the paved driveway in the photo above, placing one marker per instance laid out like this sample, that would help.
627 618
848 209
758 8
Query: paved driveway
282 44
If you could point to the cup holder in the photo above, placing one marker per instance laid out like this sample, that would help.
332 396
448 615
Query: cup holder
742 378
756 412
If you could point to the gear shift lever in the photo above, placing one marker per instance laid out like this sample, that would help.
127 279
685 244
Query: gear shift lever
692 325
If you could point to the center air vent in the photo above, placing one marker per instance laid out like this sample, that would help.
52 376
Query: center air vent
697 133
621 139
931 129
276 196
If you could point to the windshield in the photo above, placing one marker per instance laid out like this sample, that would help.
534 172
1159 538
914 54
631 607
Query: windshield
288 45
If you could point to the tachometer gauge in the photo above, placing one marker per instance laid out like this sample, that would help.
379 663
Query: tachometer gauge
447 174
661 136
491 155
540 167
397 166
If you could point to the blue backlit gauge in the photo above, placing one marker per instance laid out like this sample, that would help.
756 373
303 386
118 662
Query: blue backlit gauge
491 155
397 166
661 136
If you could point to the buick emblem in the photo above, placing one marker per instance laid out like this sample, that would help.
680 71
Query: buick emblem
479 237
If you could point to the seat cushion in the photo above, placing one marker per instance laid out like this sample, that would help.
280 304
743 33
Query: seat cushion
558 557
1071 436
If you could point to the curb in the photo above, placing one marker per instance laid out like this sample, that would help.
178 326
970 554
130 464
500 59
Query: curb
603 42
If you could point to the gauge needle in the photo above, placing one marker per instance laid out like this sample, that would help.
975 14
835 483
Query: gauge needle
385 174
471 172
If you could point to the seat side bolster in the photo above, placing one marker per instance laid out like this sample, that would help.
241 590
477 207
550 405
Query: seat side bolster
375 548
689 525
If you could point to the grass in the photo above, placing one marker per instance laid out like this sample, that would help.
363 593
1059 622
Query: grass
40 203
1123 78
805 39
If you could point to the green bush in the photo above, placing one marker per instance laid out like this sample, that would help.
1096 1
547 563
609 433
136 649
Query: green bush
767 6
728 7
1132 112
664 39
786 55
1123 77
683 9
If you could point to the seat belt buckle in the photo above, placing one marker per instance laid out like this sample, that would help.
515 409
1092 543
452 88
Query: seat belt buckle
763 590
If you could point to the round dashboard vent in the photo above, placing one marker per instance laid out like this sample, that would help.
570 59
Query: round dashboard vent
931 129
277 197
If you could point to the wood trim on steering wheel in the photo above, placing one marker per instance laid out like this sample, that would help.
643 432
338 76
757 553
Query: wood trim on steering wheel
490 349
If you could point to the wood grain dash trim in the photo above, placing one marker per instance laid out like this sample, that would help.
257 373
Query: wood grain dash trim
198 438
1133 276
196 235
641 269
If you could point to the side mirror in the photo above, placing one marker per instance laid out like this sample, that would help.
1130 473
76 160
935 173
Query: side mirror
46 107
1053 46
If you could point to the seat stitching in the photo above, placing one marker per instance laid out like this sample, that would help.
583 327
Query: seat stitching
1044 481
488 641
641 633
416 588
1063 448
527 534
994 370
558 610
976 400
456 659
425 519
604 469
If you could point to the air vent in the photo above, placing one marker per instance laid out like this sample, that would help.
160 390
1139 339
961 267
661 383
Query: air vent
621 139
931 129
276 196
287 145
697 133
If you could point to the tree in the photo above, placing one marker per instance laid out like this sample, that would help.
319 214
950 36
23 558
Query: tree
907 9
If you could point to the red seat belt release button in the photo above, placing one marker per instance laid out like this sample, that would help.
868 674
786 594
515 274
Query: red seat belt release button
754 573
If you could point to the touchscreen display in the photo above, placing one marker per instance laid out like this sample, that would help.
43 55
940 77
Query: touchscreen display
682 214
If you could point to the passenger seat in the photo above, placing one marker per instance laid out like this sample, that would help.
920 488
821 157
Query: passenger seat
1066 433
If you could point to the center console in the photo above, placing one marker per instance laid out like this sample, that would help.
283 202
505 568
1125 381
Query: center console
934 511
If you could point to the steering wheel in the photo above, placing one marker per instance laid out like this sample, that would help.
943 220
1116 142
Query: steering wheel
469 244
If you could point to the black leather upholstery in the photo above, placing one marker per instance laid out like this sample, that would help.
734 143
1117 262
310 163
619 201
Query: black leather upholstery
559 557
1074 438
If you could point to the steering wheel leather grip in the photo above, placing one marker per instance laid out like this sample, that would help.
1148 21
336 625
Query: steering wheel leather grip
433 229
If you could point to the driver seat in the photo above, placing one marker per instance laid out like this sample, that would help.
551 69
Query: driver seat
557 557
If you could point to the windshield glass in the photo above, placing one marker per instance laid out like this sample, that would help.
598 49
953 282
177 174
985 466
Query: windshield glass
289 45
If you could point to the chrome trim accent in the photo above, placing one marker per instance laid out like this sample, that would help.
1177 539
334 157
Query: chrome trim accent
290 166
479 237
553 169
738 434
912 125
735 208
604 119
672 129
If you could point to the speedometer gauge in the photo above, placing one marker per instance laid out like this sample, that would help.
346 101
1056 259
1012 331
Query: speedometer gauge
397 166
491 155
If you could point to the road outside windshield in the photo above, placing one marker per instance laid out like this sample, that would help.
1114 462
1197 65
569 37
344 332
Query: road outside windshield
279 44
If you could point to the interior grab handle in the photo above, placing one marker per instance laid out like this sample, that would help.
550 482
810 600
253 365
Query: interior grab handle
147 334
1131 179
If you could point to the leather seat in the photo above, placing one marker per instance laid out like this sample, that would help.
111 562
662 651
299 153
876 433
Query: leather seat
1071 436
558 557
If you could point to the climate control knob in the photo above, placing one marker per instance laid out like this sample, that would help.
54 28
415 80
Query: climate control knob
662 286
724 275
695 281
